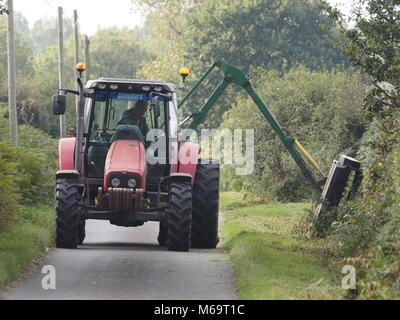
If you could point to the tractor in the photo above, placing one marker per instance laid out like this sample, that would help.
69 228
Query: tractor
105 172
131 168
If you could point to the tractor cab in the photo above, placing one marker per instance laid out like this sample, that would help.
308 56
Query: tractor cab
128 110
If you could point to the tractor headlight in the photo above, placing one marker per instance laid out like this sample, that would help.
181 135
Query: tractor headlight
115 182
131 183
146 88
113 86
101 86
158 88
124 180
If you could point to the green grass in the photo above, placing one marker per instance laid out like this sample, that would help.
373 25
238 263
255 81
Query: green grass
24 240
272 257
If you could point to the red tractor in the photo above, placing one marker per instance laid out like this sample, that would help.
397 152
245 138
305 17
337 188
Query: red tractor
108 170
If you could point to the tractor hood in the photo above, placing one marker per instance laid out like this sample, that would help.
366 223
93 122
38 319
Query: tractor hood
125 158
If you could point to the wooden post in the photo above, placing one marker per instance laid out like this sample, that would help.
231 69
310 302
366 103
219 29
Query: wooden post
12 91
76 32
61 79
87 58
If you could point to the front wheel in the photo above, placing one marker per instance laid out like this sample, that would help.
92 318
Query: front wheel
179 216
67 215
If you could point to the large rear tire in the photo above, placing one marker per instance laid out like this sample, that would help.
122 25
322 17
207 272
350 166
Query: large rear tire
205 205
179 216
67 215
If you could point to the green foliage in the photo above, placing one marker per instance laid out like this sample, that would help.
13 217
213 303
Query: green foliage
24 240
117 53
23 47
322 110
367 229
282 35
45 83
30 107
8 186
27 171
44 32
373 46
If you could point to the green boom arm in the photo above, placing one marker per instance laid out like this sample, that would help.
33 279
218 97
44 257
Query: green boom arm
234 75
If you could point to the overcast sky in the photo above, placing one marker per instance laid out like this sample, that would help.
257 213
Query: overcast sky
93 14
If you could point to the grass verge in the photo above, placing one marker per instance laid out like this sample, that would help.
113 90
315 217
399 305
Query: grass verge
271 256
24 240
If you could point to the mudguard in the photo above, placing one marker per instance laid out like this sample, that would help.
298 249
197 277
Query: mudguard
188 159
66 151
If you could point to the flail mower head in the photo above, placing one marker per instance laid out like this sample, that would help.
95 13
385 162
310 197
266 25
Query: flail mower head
336 188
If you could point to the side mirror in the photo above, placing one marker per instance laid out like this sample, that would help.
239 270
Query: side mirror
59 104
155 105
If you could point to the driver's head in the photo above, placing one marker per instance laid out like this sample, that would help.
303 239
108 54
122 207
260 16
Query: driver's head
140 107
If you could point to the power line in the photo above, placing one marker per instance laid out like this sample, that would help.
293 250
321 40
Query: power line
49 5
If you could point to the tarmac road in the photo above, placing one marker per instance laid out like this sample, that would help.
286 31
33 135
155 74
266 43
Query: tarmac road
127 263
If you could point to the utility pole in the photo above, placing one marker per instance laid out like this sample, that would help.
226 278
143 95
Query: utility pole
87 58
61 79
12 91
76 32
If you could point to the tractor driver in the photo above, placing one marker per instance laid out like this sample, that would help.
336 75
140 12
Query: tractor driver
137 115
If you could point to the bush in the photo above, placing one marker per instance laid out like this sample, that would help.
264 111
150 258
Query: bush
367 232
8 186
321 109
26 171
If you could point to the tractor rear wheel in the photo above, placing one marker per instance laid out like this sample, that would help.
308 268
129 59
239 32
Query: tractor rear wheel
205 205
67 215
179 216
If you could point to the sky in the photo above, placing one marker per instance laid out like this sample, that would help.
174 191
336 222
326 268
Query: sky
92 14
95 14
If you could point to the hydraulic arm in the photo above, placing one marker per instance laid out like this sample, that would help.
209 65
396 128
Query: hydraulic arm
235 76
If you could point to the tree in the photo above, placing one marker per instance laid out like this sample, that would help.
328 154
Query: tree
267 34
117 53
273 34
44 32
23 48
373 45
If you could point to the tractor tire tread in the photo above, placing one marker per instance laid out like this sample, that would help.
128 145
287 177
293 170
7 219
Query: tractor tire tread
67 216
205 206
179 217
